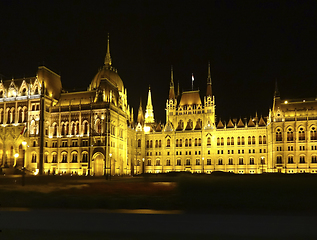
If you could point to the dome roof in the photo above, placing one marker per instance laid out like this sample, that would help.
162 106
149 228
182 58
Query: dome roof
107 75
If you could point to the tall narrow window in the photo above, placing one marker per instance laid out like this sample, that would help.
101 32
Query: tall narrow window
313 135
290 136
278 135
301 134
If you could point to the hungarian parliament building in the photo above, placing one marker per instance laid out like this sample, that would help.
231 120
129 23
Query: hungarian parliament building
46 130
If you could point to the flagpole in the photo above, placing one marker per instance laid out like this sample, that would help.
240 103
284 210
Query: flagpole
192 81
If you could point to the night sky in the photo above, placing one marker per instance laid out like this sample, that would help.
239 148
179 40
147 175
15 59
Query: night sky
250 45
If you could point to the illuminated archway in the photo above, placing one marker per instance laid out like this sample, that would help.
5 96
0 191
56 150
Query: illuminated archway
98 164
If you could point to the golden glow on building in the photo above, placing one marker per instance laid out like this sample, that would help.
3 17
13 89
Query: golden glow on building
93 132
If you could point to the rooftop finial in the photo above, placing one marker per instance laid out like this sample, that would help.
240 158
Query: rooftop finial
172 77
108 57
209 75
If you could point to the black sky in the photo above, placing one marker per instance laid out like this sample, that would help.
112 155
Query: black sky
249 44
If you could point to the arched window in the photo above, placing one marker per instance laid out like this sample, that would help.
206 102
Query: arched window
13 115
176 142
67 128
160 143
240 160
249 140
314 159
232 141
220 161
253 139
190 142
85 157
228 141
54 157
168 142
156 143
278 135
55 130
195 142
260 139
238 141
208 141
290 135
46 158
8 115
63 129
20 115
302 159
218 141
264 139
251 161
181 142
230 161
279 159
186 142
139 142
74 157
301 134
73 129
33 158
86 128
64 157
77 128
151 144
98 126
147 143
290 159
25 113
313 135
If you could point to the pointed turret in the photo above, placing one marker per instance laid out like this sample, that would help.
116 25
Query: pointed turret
140 114
108 57
276 92
209 90
149 115
172 92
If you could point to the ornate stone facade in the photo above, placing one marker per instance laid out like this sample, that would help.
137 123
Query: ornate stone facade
50 131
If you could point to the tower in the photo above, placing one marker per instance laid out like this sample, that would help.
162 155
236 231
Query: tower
149 115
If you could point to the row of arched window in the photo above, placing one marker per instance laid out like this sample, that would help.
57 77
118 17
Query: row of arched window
241 140
290 136
149 143
188 142
9 115
72 130
241 161
301 159
63 159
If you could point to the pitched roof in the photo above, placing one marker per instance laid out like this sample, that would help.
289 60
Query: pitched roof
251 123
240 123
262 122
220 124
230 124
190 98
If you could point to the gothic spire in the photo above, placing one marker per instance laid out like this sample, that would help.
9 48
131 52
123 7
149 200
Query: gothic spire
276 92
149 115
140 114
209 90
172 92
108 57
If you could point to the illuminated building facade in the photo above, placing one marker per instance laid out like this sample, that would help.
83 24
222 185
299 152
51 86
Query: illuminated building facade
50 131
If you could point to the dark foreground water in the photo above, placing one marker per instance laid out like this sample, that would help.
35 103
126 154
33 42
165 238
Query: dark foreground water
147 224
